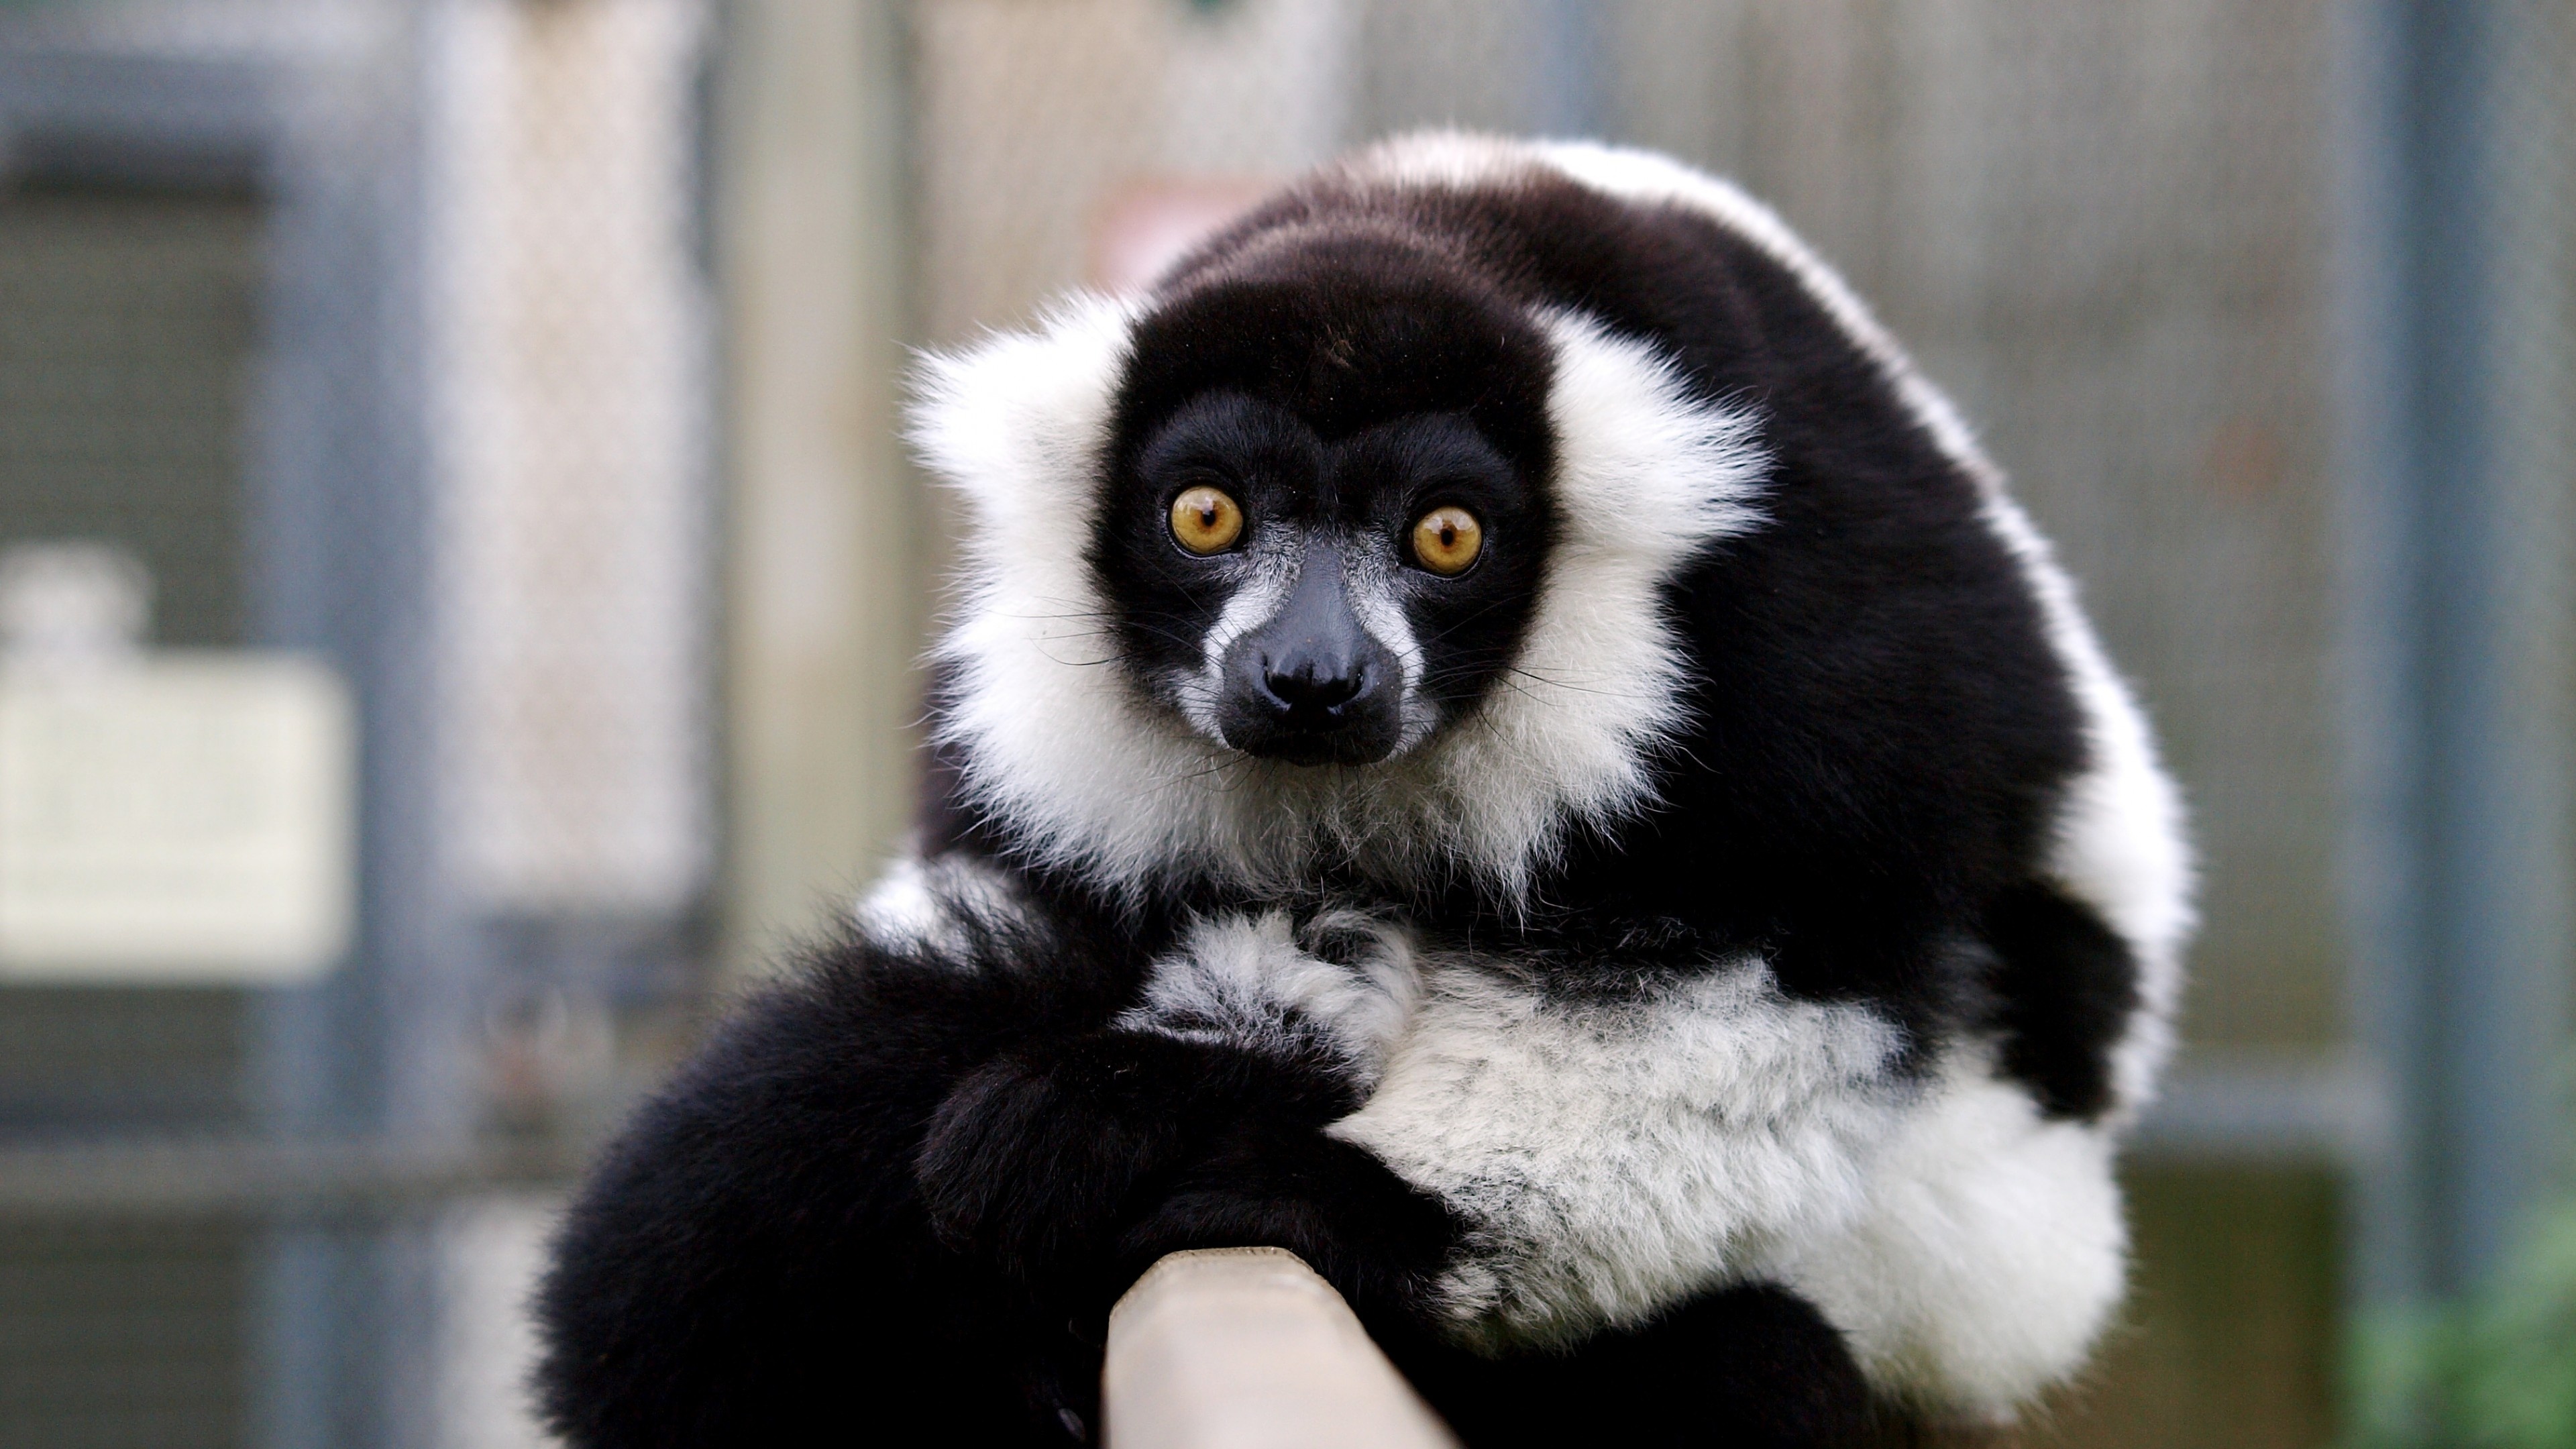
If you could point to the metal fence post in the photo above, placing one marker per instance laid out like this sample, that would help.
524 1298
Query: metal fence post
2455 646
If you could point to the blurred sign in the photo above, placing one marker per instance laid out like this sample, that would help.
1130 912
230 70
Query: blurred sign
174 818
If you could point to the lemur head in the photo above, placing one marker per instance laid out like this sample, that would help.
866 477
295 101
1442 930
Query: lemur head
1334 548
1324 513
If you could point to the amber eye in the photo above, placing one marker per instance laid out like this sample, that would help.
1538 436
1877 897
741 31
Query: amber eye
1446 540
1206 520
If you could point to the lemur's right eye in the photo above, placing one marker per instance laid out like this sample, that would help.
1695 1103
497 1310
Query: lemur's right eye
1206 520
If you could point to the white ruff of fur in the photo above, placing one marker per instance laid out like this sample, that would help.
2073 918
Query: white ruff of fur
1099 778
1612 1159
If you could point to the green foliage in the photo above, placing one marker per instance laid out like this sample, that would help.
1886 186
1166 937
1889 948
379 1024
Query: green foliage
2494 1371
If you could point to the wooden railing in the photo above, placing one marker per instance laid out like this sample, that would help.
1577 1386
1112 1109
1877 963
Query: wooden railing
1247 1348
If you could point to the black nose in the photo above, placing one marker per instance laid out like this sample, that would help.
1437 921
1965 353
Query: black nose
1307 685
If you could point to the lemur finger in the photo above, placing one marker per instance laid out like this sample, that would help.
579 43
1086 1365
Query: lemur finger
1337 989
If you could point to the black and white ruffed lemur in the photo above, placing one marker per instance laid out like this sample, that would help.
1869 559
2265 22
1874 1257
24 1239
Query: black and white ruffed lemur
1497 736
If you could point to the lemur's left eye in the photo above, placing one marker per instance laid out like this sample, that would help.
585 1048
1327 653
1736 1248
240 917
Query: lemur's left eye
1447 539
1206 520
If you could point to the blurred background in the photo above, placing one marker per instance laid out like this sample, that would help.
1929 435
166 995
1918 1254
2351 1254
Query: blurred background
459 589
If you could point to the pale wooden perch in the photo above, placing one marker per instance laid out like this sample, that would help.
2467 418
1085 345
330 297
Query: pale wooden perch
1246 1348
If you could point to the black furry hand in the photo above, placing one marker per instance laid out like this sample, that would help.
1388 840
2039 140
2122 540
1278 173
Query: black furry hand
1288 1185
1035 1159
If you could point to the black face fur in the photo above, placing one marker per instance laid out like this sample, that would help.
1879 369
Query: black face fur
1337 395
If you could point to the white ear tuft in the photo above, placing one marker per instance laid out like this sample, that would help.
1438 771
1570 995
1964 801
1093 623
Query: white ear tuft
1015 422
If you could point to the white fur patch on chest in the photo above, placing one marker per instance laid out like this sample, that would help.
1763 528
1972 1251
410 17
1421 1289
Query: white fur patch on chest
1613 1158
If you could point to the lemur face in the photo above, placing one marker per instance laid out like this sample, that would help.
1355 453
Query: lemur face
1331 550
1321 599
1322 540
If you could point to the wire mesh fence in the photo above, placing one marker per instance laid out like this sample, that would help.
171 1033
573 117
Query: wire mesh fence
374 343
386 331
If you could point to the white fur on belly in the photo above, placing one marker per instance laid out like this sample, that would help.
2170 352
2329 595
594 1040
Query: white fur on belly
1614 1158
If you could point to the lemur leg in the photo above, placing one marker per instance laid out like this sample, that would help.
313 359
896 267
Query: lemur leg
1747 1367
